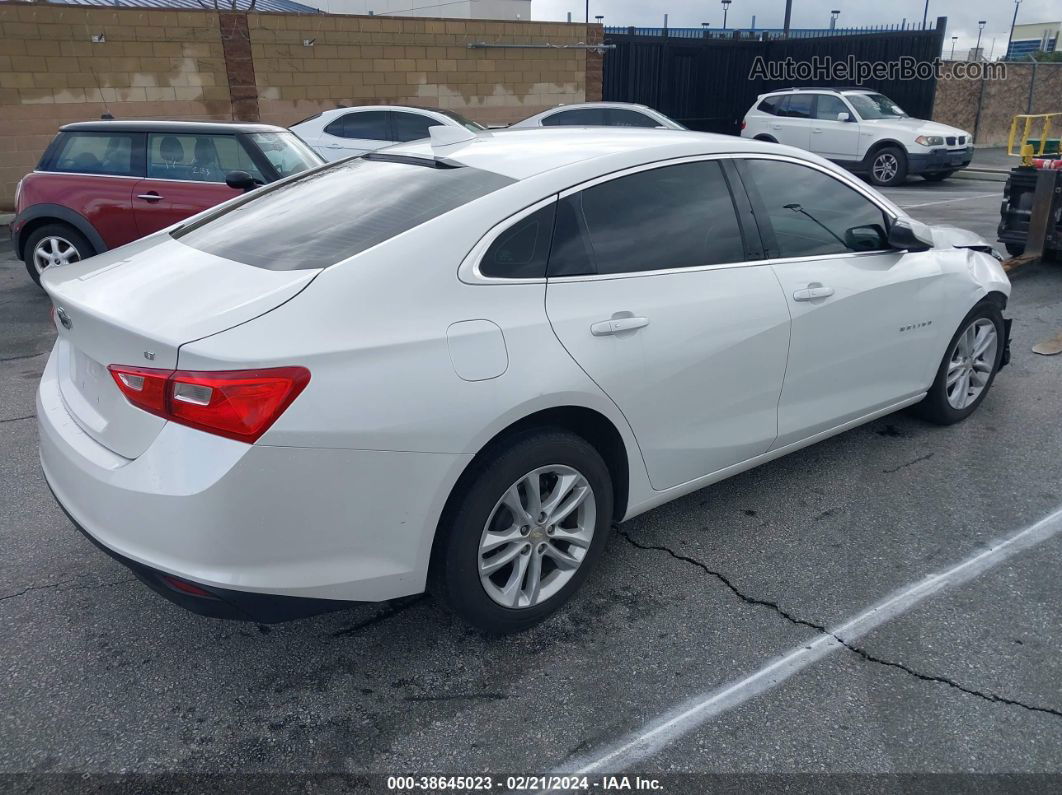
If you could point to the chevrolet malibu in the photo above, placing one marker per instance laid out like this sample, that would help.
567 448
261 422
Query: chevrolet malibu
454 364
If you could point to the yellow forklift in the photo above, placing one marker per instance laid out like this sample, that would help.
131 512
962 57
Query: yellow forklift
1030 224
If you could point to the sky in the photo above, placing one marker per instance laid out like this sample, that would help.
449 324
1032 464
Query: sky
962 14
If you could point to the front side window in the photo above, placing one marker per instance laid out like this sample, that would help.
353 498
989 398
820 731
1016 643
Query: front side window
97 153
370 125
521 251
876 106
679 216
197 158
411 126
578 117
813 214
333 213
828 107
285 151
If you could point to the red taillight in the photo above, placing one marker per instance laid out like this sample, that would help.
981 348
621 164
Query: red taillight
742 124
238 404
186 587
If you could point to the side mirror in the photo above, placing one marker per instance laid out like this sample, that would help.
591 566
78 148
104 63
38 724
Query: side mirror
871 237
240 180
910 235
843 116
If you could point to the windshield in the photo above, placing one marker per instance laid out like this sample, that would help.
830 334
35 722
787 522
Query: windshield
875 106
286 151
468 124
335 212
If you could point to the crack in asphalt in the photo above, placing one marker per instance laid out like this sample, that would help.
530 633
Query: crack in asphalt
383 615
61 583
921 458
17 419
858 650
22 356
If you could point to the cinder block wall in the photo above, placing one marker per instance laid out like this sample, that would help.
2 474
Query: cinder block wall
276 68
167 64
958 101
369 60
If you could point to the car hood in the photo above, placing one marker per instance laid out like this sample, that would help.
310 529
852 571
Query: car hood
914 126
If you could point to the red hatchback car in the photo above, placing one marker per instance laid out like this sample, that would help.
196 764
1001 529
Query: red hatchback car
102 184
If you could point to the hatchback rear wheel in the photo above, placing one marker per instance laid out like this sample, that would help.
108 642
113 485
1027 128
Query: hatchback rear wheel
525 532
52 246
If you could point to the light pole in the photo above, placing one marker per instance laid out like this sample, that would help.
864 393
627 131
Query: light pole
726 7
980 29
1013 22
587 12
788 15
833 18
953 40
925 15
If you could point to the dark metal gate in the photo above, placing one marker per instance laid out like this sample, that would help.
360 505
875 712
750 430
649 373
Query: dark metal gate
705 82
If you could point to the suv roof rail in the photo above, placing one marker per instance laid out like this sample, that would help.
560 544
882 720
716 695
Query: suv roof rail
835 89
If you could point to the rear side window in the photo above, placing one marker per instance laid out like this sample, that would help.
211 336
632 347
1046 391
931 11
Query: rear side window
98 153
335 212
679 216
579 117
372 125
521 251
798 106
411 126
621 117
197 158
770 105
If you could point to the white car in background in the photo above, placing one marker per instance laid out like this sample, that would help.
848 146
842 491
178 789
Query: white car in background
453 366
599 114
343 132
861 130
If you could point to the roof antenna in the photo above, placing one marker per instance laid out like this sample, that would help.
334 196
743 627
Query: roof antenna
447 136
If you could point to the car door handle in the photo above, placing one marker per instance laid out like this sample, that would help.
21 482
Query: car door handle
813 291
817 130
150 197
618 324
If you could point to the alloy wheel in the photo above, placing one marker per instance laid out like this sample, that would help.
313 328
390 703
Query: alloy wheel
537 536
971 362
52 251
886 166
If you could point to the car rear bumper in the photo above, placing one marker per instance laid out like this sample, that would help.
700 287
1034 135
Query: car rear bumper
250 523
939 160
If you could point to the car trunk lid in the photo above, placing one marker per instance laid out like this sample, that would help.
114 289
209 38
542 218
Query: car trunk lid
137 306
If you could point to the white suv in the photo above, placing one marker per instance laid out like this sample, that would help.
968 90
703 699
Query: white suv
862 130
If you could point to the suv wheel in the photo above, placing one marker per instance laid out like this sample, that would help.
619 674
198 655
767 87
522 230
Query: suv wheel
525 532
888 166
54 245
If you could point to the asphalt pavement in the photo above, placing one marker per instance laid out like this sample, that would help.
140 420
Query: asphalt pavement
98 675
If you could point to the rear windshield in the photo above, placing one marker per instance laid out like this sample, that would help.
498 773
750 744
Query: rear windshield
335 212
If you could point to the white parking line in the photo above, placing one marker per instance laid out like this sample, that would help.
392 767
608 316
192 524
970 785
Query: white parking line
948 201
683 719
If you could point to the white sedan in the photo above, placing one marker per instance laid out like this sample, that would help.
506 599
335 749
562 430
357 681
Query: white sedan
599 114
344 132
454 364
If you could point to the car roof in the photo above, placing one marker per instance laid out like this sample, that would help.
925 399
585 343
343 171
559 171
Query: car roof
152 125
822 89
353 108
526 152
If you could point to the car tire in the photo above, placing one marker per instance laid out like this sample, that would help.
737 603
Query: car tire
947 401
937 176
888 167
480 529
1015 249
60 242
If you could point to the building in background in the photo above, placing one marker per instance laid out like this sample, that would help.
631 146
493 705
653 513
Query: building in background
454 9
264 6
1033 38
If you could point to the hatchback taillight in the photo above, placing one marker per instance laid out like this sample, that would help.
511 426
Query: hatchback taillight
743 125
238 404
